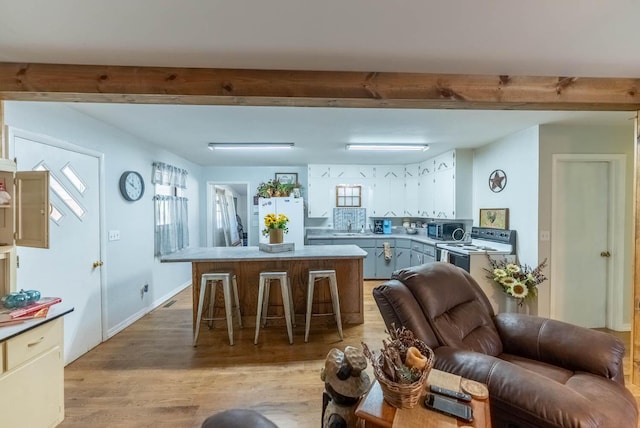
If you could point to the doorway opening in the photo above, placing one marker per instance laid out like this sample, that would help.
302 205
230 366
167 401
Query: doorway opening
227 214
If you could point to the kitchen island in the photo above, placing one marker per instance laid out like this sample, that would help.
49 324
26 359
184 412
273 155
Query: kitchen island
248 262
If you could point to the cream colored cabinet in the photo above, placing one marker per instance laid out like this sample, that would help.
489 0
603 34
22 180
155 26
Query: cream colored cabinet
32 377
24 216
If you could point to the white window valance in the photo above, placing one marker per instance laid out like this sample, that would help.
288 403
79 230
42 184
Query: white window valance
169 175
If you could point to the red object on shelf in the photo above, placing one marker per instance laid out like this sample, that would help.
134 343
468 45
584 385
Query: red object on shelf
44 302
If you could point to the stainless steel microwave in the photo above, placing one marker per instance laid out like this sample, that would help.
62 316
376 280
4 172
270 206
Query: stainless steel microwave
445 231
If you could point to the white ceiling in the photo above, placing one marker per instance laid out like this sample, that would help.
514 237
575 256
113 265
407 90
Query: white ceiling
320 134
547 37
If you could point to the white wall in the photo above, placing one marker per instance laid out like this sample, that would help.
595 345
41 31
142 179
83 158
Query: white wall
517 156
129 262
562 139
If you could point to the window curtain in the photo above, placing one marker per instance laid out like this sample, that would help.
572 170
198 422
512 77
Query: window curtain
171 212
169 175
171 219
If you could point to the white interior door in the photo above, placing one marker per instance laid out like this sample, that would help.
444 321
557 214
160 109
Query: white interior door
581 235
67 269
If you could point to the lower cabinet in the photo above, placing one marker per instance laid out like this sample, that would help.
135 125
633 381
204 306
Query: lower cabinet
429 253
32 377
403 253
384 266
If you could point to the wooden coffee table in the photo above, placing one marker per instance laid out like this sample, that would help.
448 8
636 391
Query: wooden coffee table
377 413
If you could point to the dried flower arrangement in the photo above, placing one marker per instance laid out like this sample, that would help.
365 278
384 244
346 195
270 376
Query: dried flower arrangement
401 367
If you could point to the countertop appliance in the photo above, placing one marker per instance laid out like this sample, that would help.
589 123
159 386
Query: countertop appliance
386 227
446 231
378 226
484 240
292 208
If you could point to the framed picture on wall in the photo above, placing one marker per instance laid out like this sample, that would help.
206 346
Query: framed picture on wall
497 218
287 177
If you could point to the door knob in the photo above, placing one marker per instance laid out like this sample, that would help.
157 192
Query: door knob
97 264
605 254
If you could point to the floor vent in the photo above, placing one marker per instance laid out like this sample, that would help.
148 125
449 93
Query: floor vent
169 304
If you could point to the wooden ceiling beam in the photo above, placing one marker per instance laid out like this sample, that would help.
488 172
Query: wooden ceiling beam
168 85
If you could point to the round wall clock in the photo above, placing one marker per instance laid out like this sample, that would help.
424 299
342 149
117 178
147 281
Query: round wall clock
131 185
497 180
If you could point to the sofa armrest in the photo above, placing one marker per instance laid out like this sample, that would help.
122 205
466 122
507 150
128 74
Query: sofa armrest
562 344
524 398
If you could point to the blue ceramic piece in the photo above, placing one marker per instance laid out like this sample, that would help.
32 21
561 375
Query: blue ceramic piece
14 300
32 295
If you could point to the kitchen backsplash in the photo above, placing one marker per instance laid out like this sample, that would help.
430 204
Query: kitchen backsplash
343 217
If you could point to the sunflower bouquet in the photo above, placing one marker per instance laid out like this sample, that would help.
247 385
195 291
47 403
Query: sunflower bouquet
272 221
518 281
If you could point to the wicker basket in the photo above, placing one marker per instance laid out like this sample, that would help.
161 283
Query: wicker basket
404 396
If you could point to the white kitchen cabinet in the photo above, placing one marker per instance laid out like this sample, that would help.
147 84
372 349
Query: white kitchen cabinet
320 197
412 191
319 171
388 191
24 218
351 173
446 190
427 190
444 161
33 377
444 184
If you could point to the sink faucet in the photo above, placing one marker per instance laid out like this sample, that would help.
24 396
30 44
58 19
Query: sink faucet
349 226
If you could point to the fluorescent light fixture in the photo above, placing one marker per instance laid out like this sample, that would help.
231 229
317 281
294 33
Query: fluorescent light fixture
388 147
250 146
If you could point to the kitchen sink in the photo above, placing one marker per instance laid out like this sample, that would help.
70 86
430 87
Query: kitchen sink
347 234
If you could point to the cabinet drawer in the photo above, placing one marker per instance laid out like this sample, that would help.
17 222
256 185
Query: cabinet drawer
366 243
417 246
33 342
403 243
380 242
430 250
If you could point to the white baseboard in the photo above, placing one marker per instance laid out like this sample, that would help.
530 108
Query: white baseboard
144 311
626 327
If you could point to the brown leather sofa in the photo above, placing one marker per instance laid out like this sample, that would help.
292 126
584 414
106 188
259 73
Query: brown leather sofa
540 372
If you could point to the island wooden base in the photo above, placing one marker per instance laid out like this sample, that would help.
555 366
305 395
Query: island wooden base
348 273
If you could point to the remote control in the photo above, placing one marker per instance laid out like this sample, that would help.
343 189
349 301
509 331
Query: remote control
449 393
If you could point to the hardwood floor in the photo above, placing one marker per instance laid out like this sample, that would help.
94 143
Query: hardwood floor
150 375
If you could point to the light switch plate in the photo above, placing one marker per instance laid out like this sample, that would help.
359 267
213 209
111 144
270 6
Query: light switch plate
114 235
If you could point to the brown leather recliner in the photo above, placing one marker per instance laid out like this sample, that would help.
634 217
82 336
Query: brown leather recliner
540 372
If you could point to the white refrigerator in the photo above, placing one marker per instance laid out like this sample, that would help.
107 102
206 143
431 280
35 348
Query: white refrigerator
293 208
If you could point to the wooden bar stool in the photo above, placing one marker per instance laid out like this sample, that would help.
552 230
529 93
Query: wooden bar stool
263 302
316 275
227 280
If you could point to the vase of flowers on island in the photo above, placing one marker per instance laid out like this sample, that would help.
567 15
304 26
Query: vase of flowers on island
275 226
519 282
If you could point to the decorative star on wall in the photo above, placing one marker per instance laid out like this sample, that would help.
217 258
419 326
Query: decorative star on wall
497 181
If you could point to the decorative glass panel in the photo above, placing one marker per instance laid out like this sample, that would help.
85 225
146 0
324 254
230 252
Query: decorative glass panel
62 193
55 214
77 182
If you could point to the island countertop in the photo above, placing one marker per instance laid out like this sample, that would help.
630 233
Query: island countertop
229 254
248 262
